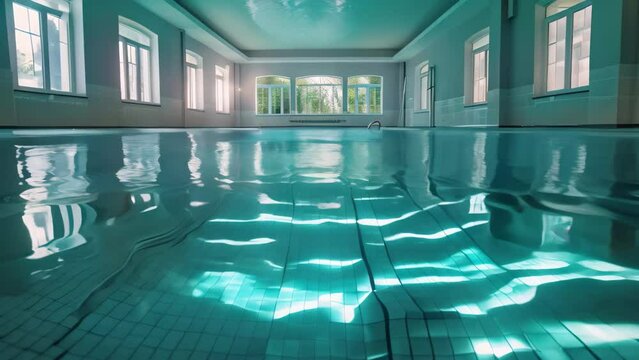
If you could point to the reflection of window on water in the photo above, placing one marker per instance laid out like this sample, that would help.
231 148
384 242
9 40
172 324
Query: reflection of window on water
54 228
141 159
479 160
477 205
318 155
556 229
257 159
194 163
145 202
223 157
52 171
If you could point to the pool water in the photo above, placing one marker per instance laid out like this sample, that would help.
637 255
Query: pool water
319 243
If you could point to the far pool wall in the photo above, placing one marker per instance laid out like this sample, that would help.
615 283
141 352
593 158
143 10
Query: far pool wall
610 100
391 88
102 107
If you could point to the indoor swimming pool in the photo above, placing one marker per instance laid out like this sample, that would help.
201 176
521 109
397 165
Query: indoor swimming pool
319 243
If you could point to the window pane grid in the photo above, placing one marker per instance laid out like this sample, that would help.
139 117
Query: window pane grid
556 54
29 52
480 76
272 95
222 98
568 44
581 48
59 57
364 94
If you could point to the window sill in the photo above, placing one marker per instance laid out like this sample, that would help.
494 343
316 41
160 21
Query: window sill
580 90
48 92
421 111
196 110
476 104
141 103
223 113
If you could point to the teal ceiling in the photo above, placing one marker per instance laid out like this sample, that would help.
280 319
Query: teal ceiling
258 25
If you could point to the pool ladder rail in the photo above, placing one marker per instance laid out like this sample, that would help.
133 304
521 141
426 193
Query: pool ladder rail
376 122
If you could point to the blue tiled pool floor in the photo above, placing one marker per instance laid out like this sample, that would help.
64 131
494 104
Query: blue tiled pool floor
319 244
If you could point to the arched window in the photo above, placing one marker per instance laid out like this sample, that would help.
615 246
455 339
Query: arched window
423 83
365 94
477 51
194 81
319 94
139 73
273 95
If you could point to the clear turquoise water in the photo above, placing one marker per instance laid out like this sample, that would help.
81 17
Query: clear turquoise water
319 243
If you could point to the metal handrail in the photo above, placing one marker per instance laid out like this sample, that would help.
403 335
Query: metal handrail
376 122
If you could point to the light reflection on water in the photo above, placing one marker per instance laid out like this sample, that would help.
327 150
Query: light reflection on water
334 227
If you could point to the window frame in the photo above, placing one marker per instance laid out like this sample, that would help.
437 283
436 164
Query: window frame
420 75
226 93
469 67
340 86
43 12
368 88
473 56
154 62
128 42
270 87
199 80
569 15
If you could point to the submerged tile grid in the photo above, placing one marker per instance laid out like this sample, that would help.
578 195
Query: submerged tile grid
297 293
284 269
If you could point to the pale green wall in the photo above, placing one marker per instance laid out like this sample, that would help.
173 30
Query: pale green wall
443 48
102 105
611 99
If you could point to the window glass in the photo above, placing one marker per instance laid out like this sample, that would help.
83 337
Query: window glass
222 98
273 95
479 67
581 48
319 95
556 54
194 81
365 94
59 57
480 80
145 75
424 92
123 65
29 59
136 64
568 26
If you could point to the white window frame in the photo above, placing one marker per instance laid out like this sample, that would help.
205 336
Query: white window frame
423 93
194 81
222 95
485 49
272 88
568 57
367 88
339 87
124 43
75 43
